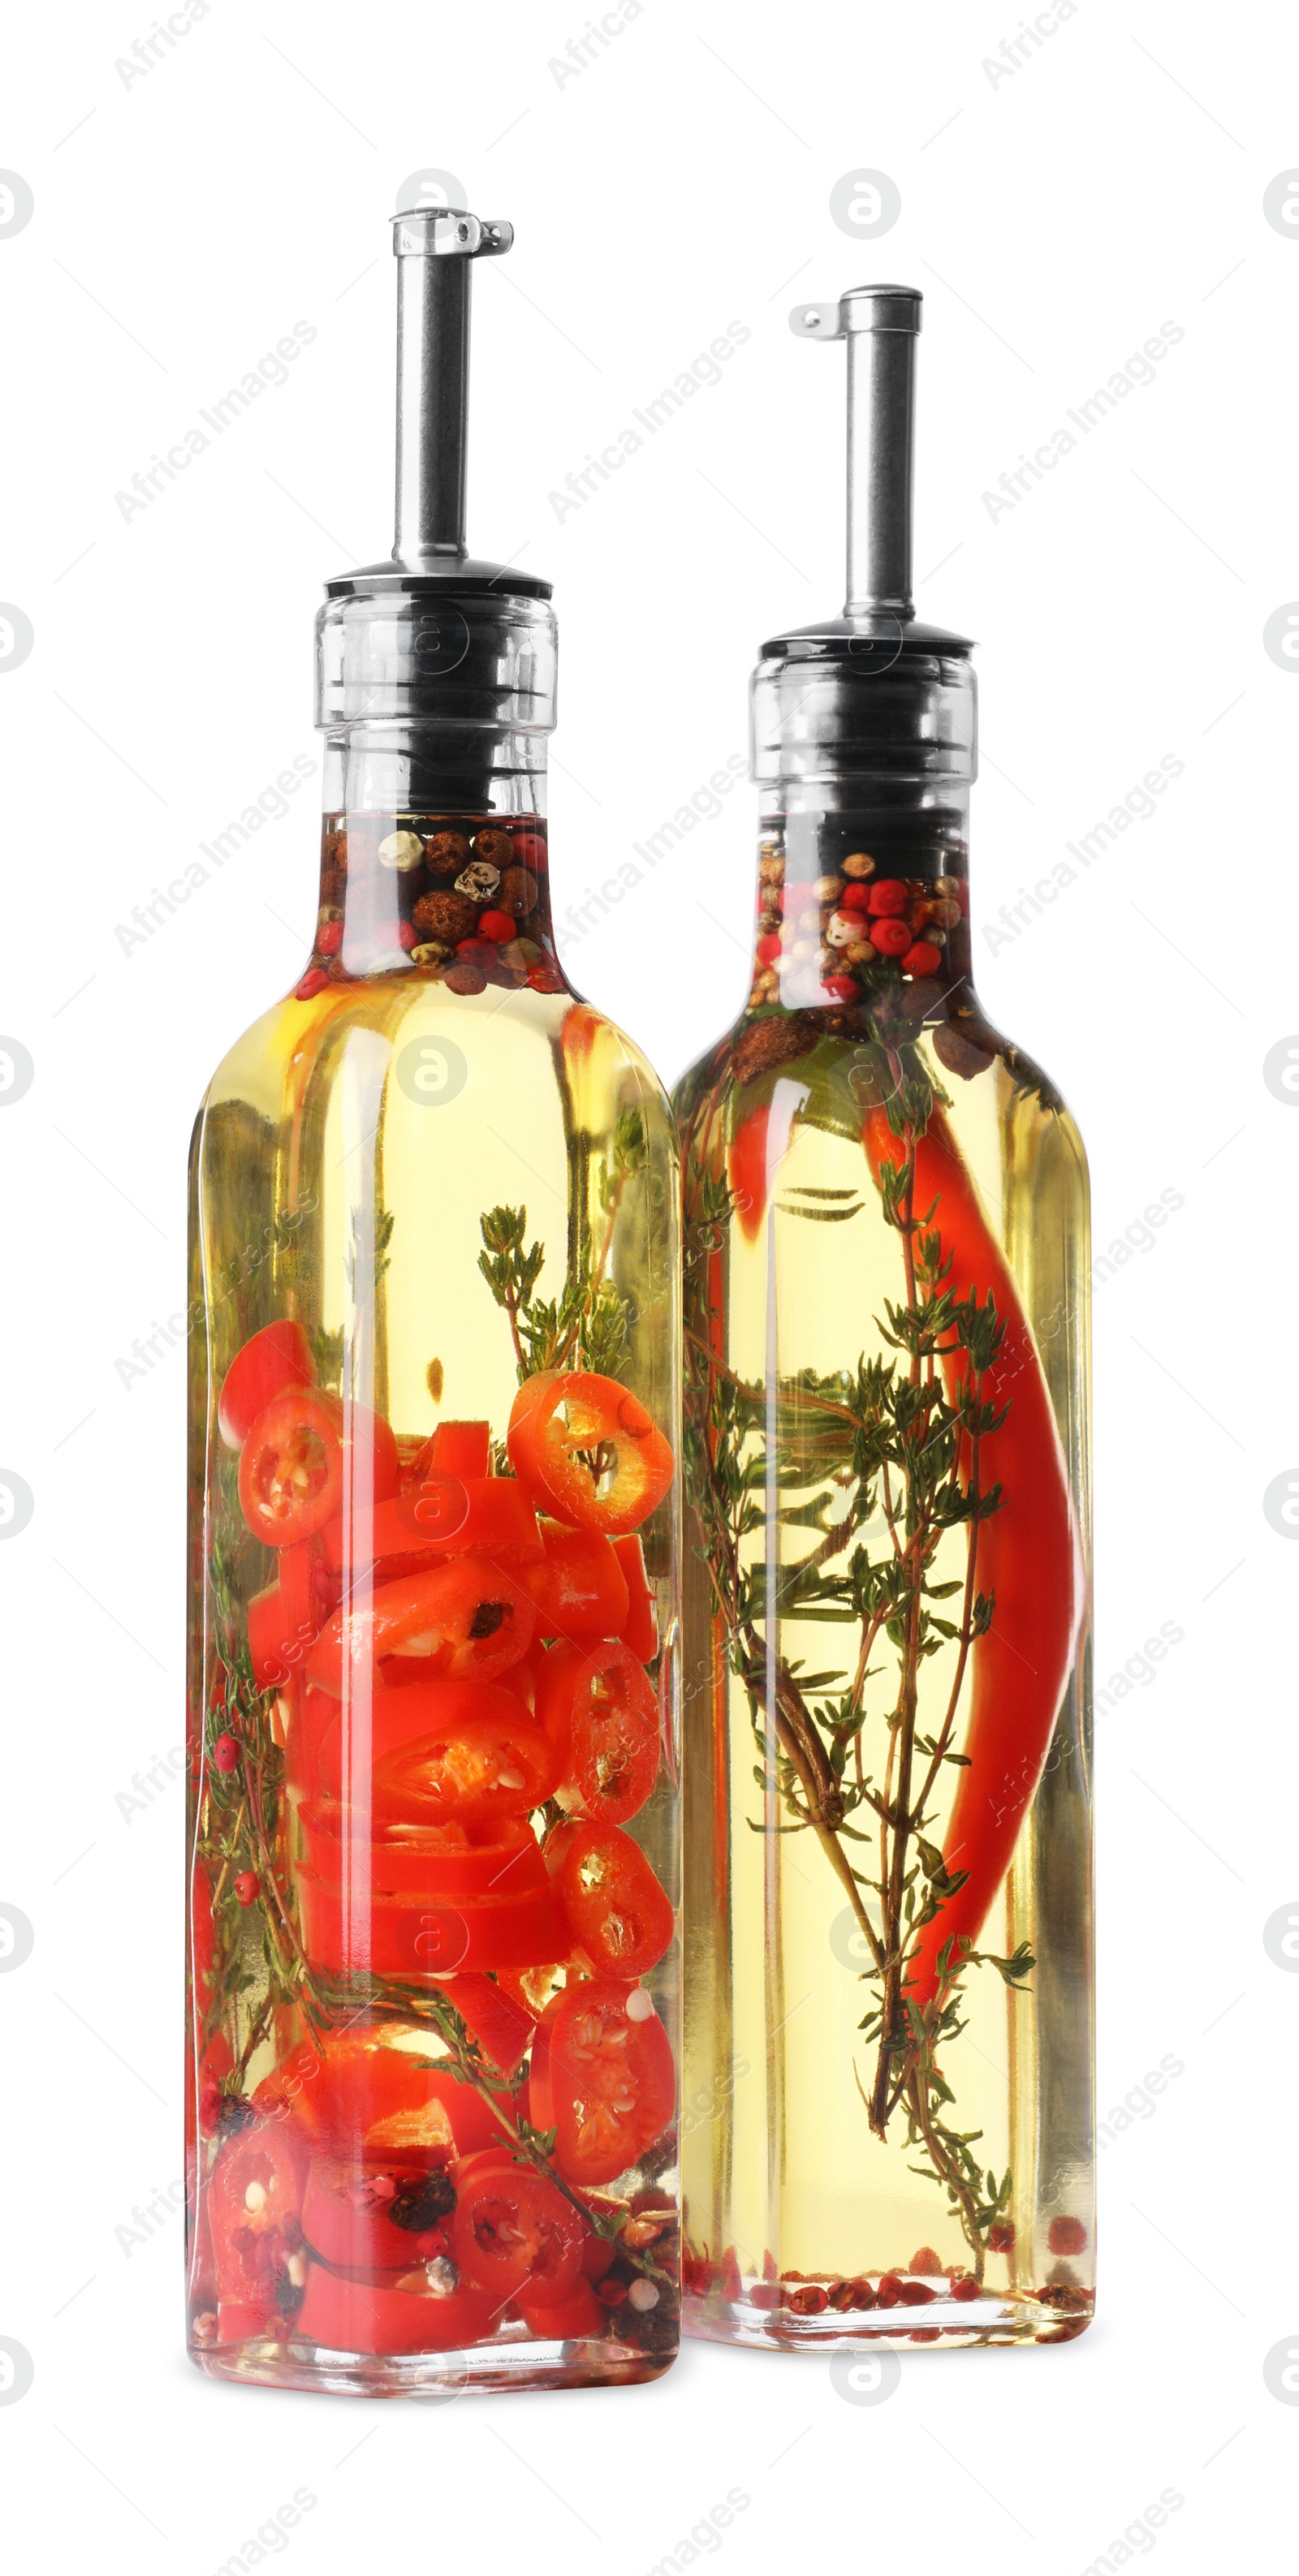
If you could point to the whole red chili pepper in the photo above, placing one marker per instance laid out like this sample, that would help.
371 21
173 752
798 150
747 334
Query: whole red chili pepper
1028 1558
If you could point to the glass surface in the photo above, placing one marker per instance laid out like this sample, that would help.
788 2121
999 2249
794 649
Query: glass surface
887 2123
433 1637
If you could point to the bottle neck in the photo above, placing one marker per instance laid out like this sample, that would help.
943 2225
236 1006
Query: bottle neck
433 871
863 901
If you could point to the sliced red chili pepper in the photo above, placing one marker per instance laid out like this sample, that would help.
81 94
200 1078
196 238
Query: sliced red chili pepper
351 1934
474 1770
575 2317
458 1449
279 1356
286 1618
347 2315
615 1907
598 1707
579 1588
332 1750
463 1621
432 1861
586 1448
371 2092
1028 1558
255 2204
513 2232
501 2024
348 2213
602 2078
640 1628
437 1516
291 1466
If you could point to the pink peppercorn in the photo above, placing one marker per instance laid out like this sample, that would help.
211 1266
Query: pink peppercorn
855 898
497 927
892 938
313 982
769 948
329 938
890 895
923 959
842 987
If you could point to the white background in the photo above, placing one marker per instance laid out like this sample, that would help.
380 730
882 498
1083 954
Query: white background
1055 218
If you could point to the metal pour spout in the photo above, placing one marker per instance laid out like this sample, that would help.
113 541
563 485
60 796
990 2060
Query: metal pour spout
880 325
434 248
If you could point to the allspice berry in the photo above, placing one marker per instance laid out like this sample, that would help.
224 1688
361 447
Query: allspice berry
495 847
445 916
446 853
955 1049
464 977
517 892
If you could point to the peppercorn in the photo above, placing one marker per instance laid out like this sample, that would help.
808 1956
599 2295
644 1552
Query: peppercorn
528 850
807 2300
829 889
495 849
464 977
446 853
890 936
1066 2236
225 1753
889 896
421 2200
922 959
857 864
496 926
445 916
517 892
1001 2236
843 987
766 1043
431 952
545 979
965 2289
925 2260
768 948
313 982
401 850
958 1052
246 1886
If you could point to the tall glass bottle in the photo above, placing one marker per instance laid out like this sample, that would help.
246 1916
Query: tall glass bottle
432 1694
887 2124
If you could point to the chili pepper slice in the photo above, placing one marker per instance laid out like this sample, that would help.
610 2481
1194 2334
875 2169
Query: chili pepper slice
473 1770
255 2204
347 2213
579 1588
585 1446
513 2231
602 2078
331 1753
291 1465
599 1710
640 1628
577 2316
616 1910
279 1356
463 1621
371 2092
421 1859
350 1933
374 2316
1028 1559
438 1515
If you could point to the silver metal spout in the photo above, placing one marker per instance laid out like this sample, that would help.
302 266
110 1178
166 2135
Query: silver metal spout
880 325
434 248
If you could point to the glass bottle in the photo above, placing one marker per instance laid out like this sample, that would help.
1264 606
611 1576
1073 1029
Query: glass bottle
887 2123
433 1617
